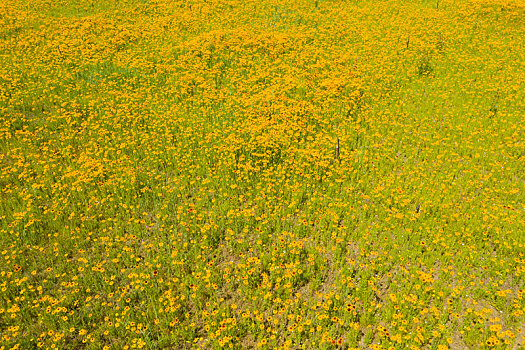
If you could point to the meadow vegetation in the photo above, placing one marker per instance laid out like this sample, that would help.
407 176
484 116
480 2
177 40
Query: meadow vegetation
266 174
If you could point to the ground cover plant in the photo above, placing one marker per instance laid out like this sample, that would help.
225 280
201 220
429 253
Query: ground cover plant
266 174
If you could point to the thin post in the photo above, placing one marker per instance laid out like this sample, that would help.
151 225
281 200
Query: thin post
337 151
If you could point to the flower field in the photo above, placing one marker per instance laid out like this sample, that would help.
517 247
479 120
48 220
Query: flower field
210 174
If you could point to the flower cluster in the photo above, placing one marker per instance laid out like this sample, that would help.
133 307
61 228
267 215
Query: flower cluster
262 174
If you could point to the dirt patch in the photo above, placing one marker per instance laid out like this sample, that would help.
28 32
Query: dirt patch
458 343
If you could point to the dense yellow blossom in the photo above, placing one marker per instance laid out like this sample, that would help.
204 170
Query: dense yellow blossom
262 174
